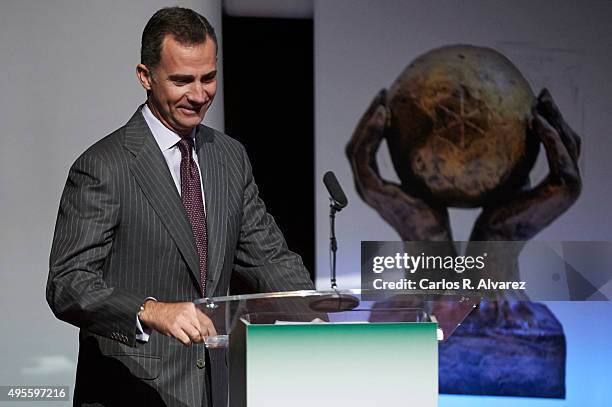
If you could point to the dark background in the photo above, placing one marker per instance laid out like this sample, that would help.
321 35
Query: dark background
269 98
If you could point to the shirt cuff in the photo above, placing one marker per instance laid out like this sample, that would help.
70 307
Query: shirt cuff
142 331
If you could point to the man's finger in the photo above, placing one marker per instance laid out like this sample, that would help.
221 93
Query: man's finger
183 338
206 325
195 333
212 331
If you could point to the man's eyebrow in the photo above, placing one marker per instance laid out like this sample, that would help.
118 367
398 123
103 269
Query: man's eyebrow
189 78
211 74
182 78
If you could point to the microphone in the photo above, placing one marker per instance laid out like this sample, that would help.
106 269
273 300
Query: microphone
337 201
338 197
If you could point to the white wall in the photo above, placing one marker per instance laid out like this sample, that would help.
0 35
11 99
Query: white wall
67 78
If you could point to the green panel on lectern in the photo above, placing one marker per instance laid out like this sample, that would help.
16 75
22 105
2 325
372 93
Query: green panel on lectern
342 364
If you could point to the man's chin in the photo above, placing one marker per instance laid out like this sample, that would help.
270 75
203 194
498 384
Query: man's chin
186 126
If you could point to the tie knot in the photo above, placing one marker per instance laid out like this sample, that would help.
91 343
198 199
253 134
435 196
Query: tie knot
185 145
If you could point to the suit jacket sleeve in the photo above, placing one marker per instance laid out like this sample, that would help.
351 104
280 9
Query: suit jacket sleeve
262 257
76 290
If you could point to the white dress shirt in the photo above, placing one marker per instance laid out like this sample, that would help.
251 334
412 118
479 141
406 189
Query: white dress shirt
167 140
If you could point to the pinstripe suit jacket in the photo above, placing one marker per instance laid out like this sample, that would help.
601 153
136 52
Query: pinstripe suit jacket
122 235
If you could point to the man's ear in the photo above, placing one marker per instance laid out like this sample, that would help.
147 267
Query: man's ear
144 76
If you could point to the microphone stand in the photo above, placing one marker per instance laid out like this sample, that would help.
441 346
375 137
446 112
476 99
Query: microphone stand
336 302
333 243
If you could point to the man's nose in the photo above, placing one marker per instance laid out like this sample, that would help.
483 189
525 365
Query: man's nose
197 94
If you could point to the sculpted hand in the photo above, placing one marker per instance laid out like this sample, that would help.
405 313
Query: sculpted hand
524 215
413 218
180 320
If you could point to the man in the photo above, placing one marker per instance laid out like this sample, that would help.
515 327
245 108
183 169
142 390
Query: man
159 213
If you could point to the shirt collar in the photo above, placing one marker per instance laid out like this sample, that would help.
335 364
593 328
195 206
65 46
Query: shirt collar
164 137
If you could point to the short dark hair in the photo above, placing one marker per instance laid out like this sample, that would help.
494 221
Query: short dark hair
185 25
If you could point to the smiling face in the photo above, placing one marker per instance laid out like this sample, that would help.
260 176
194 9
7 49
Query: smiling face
183 85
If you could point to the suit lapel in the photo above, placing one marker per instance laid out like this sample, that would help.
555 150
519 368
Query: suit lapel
152 174
215 183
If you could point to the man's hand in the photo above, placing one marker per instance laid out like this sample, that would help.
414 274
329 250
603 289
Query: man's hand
180 320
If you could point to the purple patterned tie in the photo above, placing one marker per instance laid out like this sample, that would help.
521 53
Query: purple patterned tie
191 194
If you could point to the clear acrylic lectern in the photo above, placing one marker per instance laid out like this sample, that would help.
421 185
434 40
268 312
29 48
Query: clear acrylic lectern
334 348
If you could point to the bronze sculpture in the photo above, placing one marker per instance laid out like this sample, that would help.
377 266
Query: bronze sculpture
464 130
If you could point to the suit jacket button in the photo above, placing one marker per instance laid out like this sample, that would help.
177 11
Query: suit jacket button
201 363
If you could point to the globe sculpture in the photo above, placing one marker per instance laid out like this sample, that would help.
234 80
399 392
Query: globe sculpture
458 121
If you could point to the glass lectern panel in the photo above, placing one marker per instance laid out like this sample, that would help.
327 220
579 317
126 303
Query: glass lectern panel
337 306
